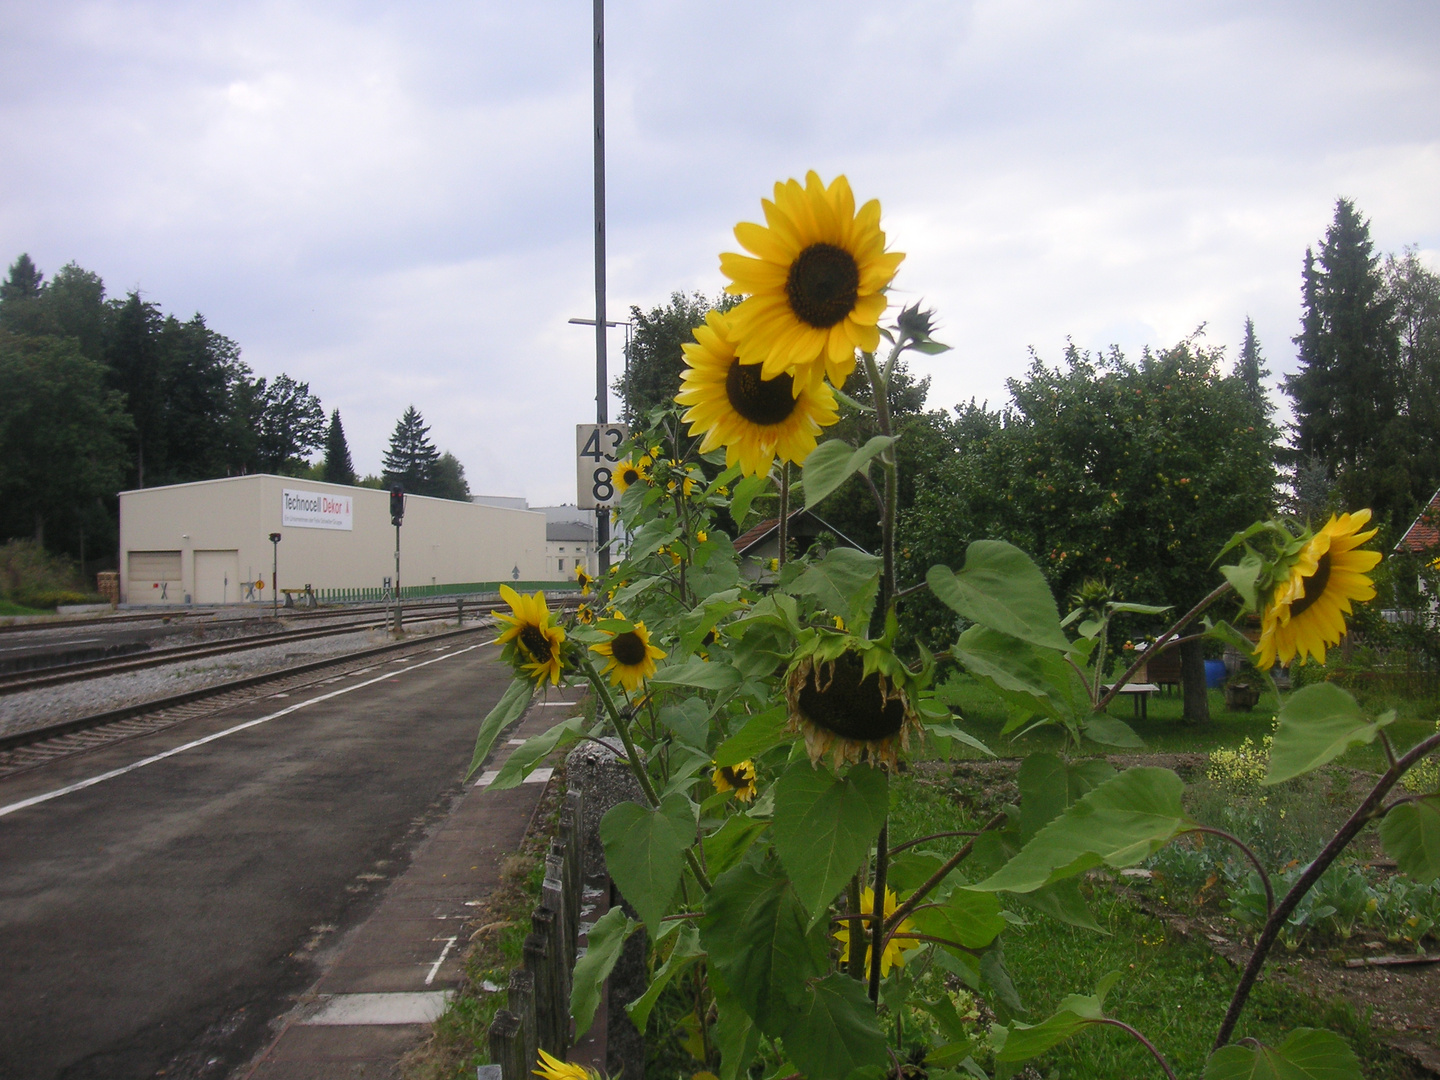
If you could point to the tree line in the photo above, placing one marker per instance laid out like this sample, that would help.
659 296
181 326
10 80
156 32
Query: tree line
100 394
1128 475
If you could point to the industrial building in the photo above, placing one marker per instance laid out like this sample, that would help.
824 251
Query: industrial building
209 542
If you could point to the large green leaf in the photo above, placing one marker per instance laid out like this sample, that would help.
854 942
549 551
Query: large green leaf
1049 785
524 759
1306 1054
1025 675
507 710
687 950
834 461
645 852
689 720
728 844
1119 823
760 733
844 583
1108 731
824 827
1062 900
745 492
698 673
591 970
756 932
970 918
1021 1042
695 624
1001 587
736 1036
1318 723
1411 834
835 1031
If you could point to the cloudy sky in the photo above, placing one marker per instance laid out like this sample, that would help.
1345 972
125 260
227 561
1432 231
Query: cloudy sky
393 201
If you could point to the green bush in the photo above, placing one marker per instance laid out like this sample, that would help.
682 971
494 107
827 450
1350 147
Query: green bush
30 575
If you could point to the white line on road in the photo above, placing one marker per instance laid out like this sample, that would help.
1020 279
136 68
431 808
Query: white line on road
449 944
113 773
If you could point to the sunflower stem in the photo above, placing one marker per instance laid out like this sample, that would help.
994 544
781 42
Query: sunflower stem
880 392
784 510
877 916
857 932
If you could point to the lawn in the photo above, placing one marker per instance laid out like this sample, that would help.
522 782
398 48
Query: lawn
9 607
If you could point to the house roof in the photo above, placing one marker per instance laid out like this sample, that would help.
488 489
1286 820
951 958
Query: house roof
802 523
569 530
1424 534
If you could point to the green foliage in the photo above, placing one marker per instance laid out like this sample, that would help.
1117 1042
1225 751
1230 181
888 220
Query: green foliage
1306 1054
645 853
834 461
1411 834
606 938
1317 724
412 460
1000 587
824 826
507 710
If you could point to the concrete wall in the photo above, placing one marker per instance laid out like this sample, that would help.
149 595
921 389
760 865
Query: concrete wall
205 540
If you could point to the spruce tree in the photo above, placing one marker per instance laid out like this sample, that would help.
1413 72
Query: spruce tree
1252 371
24 283
1347 387
412 459
338 468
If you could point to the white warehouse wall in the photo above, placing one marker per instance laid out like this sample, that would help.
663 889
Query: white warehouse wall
203 540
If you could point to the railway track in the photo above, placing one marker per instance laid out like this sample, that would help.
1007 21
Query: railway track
25 750
17 682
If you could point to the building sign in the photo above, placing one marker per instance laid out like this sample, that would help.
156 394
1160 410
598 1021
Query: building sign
595 457
316 510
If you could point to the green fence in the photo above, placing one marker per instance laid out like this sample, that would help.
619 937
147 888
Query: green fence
420 592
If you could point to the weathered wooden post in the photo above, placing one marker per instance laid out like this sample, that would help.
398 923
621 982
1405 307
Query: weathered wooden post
507 1046
520 994
537 963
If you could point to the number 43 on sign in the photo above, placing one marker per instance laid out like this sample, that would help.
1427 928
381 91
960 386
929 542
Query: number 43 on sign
597 448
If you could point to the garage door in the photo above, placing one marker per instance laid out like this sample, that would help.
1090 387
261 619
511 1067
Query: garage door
217 577
153 577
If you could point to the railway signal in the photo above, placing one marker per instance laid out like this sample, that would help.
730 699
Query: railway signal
275 575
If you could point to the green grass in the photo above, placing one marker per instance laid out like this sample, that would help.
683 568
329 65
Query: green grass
1173 989
9 607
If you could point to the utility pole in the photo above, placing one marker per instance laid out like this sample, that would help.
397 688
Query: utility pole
275 576
602 389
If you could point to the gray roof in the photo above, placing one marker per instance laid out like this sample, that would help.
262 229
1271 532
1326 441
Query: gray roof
569 530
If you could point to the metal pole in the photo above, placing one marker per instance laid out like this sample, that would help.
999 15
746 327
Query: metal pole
397 579
602 390
275 579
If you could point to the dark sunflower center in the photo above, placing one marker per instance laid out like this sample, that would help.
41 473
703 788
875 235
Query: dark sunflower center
629 476
761 401
1314 586
850 706
709 638
627 648
737 780
822 285
536 643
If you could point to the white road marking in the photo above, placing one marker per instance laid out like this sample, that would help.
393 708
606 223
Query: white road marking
515 742
539 776
449 944
553 704
113 773
346 1010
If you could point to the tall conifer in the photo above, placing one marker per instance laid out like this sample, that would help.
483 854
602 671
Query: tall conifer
338 469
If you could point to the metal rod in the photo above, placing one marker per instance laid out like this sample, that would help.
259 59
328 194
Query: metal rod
602 391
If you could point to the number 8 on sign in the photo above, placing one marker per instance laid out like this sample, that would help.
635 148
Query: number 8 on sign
597 449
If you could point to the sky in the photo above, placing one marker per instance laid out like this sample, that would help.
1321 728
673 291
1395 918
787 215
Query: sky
393 202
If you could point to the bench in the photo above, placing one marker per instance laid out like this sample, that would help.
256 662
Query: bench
1140 693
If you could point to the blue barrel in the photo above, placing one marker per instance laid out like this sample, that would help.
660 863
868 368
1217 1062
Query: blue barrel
1214 674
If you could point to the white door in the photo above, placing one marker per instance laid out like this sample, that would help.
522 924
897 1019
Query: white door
217 577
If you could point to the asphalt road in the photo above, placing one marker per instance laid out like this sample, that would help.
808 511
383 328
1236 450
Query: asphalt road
155 922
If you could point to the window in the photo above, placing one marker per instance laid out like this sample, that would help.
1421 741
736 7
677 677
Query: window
560 563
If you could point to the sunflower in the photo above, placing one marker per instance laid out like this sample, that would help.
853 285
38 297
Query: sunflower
816 291
1307 610
737 778
532 643
752 417
584 613
849 698
631 472
584 580
632 657
552 1068
895 948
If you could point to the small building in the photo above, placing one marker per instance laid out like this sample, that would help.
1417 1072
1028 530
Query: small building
758 546
209 542
568 545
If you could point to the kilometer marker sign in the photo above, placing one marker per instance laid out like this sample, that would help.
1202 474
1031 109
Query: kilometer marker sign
597 450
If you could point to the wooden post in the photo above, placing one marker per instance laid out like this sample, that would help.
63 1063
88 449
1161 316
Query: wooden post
537 963
557 1004
506 1046
552 898
521 1001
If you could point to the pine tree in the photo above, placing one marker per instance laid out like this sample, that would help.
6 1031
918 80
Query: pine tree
338 468
1346 390
24 283
1252 371
412 458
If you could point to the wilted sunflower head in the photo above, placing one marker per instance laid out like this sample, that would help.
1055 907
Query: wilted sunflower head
737 778
629 473
1306 611
816 285
849 697
532 642
631 656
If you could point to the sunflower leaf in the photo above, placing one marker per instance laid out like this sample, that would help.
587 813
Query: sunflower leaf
844 583
687 950
754 929
727 844
1001 587
1021 1042
834 461
970 918
605 940
835 1031
645 852
1411 834
698 673
760 733
1318 723
524 759
824 827
1306 1054
745 492
507 710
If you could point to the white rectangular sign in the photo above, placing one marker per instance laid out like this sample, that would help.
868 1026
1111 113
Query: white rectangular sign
316 510
597 448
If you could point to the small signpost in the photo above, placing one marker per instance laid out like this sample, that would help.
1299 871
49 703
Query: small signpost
596 454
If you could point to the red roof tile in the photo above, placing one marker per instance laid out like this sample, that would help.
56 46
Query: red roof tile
1424 535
